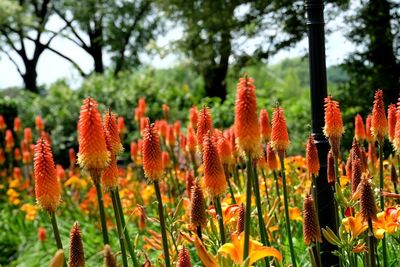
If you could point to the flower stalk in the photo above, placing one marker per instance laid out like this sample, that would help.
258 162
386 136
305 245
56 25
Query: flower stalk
121 235
382 200
102 212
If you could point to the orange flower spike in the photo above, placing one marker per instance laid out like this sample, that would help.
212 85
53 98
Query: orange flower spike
203 126
272 162
142 105
191 140
39 123
311 228
166 161
42 234
134 151
391 121
121 125
152 155
265 126
359 128
28 135
138 114
111 132
194 117
331 168
396 139
162 127
47 188
378 122
165 109
177 128
312 157
17 125
144 122
279 136
170 138
214 177
72 156
9 141
224 150
333 128
2 157
182 142
183 258
368 133
189 183
110 175
93 154
247 127
17 154
3 124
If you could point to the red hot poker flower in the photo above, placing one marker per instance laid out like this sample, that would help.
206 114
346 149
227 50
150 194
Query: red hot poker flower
391 121
47 188
312 157
379 122
203 126
359 128
279 136
152 155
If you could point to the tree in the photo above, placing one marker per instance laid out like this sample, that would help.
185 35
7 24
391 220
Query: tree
122 28
24 23
218 33
375 64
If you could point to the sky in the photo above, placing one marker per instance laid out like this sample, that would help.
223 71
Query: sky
52 67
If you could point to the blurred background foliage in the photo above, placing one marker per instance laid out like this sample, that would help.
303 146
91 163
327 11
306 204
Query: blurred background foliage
179 88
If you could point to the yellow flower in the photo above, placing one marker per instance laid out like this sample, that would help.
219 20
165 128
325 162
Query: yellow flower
75 181
30 210
295 214
256 250
354 225
387 222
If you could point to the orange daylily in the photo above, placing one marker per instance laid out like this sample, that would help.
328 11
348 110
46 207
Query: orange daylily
256 250
354 225
295 214
206 258
388 222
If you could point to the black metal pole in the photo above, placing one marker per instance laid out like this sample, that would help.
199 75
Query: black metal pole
316 42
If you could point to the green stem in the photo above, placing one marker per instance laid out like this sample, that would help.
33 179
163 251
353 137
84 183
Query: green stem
162 223
371 250
56 233
126 232
276 185
316 256
55 230
285 198
236 176
121 236
102 213
247 220
261 223
337 174
220 219
382 200
266 187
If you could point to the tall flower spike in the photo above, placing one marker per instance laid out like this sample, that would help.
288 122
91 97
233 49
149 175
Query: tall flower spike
111 133
279 136
272 162
367 200
391 121
191 140
109 260
76 253
333 128
194 117
214 177
183 258
17 124
152 155
189 183
197 207
368 134
47 188
311 229
224 150
3 124
359 128
203 126
247 127
378 121
396 139
356 173
93 154
312 157
240 221
265 126
110 175
331 168
121 125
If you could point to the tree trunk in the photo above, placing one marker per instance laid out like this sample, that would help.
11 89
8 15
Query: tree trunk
30 77
96 47
215 82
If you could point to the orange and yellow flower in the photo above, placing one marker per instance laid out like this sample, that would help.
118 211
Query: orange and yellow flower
378 122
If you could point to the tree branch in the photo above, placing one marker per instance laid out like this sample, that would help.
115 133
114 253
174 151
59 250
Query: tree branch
13 61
